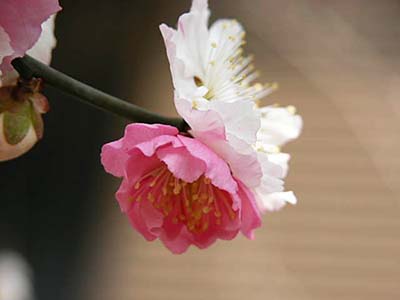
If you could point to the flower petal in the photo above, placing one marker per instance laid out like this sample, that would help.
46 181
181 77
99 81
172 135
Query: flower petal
22 21
217 169
5 47
251 218
240 119
180 244
275 201
43 48
279 125
137 133
135 167
200 5
199 120
138 221
5 50
181 163
114 155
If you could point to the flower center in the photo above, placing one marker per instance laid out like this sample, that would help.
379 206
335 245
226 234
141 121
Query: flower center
199 83
198 205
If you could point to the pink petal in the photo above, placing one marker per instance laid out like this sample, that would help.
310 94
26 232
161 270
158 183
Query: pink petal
136 166
153 218
181 163
217 169
137 133
251 218
5 47
114 155
200 121
149 148
113 158
22 21
180 244
137 221
5 50
244 165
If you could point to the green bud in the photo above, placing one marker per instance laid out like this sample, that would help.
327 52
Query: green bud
21 124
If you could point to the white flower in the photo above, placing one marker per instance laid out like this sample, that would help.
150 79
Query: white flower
216 95
210 73
279 125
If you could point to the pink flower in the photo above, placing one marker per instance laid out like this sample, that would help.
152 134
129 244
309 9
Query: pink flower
25 27
21 21
177 189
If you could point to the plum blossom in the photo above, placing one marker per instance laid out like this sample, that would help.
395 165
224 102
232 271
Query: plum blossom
216 181
279 125
216 93
25 27
177 189
210 73
22 22
41 50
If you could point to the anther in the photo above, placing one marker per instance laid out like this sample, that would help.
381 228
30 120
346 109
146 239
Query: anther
291 109
151 197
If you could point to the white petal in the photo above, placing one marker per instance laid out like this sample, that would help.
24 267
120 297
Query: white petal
240 119
188 42
200 121
276 201
199 5
281 159
243 162
44 46
272 175
278 126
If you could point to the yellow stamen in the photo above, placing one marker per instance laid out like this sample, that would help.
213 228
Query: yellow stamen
291 109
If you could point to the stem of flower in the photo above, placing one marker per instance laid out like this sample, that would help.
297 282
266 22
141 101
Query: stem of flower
29 67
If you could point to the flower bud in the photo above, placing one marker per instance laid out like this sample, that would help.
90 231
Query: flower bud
21 124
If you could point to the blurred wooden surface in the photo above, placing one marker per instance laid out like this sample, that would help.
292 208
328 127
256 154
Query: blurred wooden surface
338 62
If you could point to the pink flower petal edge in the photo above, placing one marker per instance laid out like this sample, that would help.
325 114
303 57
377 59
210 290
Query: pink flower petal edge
176 189
22 21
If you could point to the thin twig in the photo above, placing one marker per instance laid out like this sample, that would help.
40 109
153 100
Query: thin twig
29 67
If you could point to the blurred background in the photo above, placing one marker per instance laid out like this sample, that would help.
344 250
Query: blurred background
338 62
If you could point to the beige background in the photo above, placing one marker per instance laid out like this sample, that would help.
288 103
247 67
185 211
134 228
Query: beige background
338 63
